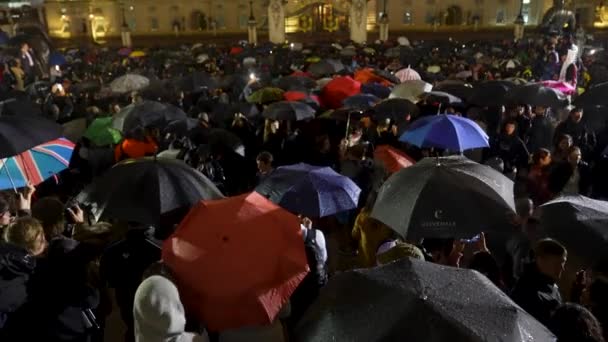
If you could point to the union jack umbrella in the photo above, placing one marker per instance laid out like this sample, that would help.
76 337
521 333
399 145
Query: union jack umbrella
35 165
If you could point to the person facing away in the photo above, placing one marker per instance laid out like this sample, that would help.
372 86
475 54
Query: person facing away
510 148
541 130
537 291
573 323
572 177
264 163
578 130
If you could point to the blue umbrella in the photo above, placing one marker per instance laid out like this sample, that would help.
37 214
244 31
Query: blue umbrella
360 101
443 131
55 58
312 191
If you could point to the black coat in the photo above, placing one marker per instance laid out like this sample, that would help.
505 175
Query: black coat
537 293
16 266
512 151
561 173
540 134
581 135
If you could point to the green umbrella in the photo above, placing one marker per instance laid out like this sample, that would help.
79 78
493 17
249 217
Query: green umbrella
266 95
101 133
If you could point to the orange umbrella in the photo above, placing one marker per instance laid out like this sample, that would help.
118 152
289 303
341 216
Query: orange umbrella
367 75
237 260
392 158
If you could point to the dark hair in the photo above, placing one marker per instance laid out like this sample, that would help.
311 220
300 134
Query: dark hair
549 247
484 263
51 213
265 157
445 246
540 154
573 323
565 136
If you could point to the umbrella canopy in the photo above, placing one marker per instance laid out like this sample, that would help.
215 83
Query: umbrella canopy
86 86
35 165
595 96
101 132
408 74
441 98
579 222
488 94
537 95
564 87
289 110
296 83
141 190
17 106
456 88
312 191
369 75
146 114
410 90
266 95
128 83
217 139
449 132
195 82
360 102
220 239
395 109
413 300
124 51
20 133
56 58
137 54
337 90
326 67
392 158
376 89
444 198
74 130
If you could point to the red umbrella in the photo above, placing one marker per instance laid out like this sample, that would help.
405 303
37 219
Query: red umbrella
236 50
237 260
339 89
301 73
295 96
392 158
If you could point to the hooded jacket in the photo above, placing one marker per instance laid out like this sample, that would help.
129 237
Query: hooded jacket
159 314
16 266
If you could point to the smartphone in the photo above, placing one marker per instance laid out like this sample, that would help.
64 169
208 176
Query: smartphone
474 239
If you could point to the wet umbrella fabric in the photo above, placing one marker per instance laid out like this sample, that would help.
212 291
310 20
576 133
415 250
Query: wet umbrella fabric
392 159
253 251
441 98
141 190
595 96
489 94
460 90
296 83
312 191
195 82
101 132
326 67
266 95
146 114
443 198
360 102
410 90
337 90
579 222
413 300
395 109
22 132
289 110
444 131
128 83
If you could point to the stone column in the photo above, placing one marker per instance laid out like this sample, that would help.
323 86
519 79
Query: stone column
383 28
252 32
276 22
358 21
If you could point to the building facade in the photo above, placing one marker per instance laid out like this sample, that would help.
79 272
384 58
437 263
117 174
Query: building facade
100 18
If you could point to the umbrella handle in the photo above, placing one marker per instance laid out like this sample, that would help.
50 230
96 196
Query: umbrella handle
9 175
347 126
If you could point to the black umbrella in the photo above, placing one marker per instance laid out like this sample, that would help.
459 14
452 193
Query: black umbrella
289 110
326 67
441 97
86 86
536 95
445 197
182 127
196 82
38 89
395 109
413 300
22 132
387 75
579 222
217 139
296 83
595 96
360 102
491 93
19 106
456 88
142 190
146 114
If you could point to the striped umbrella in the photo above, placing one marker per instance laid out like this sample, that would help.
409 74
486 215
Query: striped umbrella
408 74
35 165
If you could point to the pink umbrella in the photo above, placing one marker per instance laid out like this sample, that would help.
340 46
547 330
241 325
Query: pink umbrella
407 74
564 87
124 51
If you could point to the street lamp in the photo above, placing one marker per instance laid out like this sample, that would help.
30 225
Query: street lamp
518 29
383 34
252 34
125 31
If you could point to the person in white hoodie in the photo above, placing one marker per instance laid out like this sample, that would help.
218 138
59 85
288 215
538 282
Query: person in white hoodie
159 314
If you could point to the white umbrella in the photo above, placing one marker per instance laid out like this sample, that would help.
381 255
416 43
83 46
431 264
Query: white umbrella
128 83
410 90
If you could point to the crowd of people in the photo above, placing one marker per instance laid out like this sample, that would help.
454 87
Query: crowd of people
62 274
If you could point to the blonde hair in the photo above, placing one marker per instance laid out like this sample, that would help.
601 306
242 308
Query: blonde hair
25 233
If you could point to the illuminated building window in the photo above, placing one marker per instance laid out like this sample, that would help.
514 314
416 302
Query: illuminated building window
501 16
407 18
154 24
526 10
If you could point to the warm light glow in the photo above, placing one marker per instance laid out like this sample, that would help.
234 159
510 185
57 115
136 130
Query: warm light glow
91 16
131 8
252 77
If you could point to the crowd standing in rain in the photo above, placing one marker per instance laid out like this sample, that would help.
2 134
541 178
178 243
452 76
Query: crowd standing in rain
423 191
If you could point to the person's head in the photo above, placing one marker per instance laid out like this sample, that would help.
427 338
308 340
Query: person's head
51 214
439 249
539 111
564 142
484 263
574 155
551 257
542 157
509 127
6 216
264 161
28 234
25 47
576 115
573 323
524 208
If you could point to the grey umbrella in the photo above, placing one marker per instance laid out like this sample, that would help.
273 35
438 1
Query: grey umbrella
445 197
413 300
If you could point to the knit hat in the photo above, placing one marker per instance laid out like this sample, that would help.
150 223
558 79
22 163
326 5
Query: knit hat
399 251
